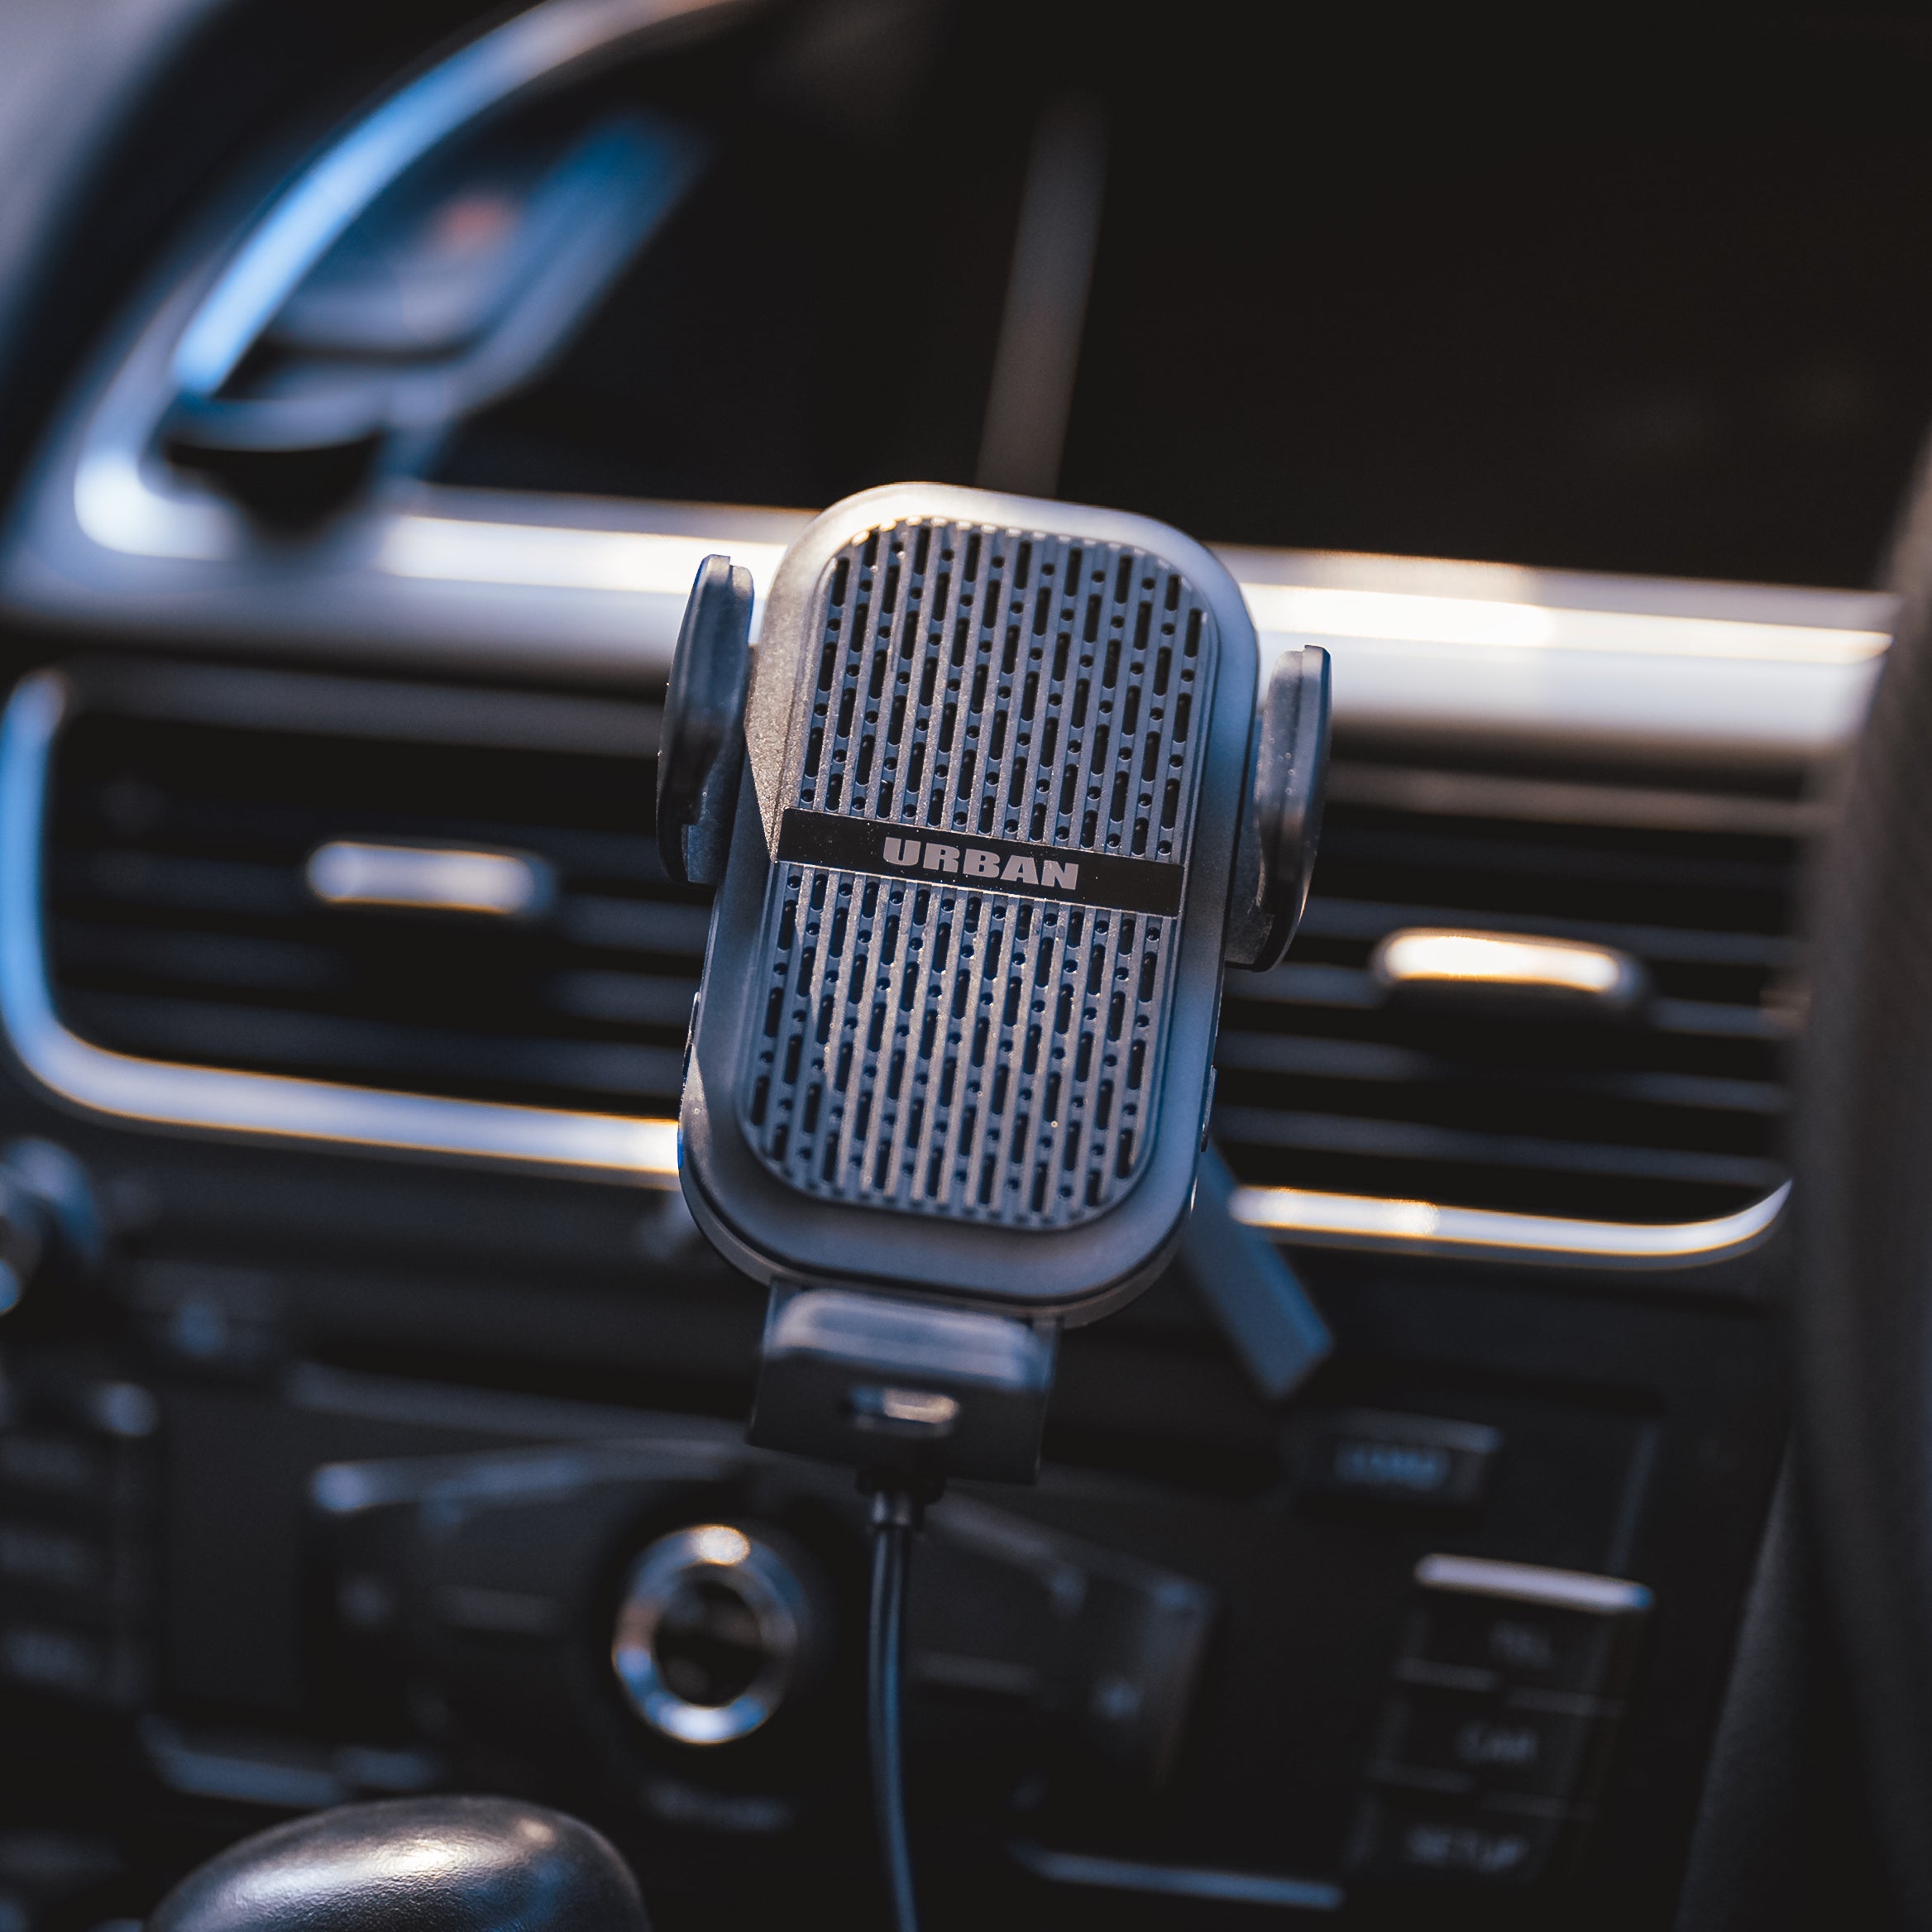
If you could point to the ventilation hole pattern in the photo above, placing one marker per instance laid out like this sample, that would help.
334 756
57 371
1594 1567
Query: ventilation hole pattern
971 1055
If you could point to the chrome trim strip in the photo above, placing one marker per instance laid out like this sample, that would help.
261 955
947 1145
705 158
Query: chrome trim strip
314 213
559 556
1436 649
1531 1583
159 1093
1405 616
1482 1234
554 556
1252 1888
1440 651
326 705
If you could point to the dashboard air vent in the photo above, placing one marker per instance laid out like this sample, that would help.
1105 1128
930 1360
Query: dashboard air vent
213 856
207 829
1668 1112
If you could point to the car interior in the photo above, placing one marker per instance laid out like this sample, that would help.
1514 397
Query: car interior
1504 1499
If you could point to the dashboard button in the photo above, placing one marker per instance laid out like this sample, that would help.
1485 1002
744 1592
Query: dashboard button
1467 1744
1520 1643
1509 1623
1407 1839
1370 1455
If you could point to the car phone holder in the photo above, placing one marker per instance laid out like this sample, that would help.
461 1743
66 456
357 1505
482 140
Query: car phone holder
994 802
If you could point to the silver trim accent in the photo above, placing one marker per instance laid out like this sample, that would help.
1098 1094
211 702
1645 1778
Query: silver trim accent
721 1554
542 45
1446 652
1484 1233
1452 960
1251 1888
161 1093
1531 1583
1490 651
1416 646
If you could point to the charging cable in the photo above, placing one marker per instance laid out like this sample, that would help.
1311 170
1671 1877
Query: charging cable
897 1510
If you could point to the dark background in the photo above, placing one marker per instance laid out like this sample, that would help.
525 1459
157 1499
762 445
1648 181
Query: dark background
1655 297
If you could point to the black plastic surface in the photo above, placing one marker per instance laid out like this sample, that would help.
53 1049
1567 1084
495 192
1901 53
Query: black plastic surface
1282 828
773 1230
1864 1138
702 753
442 1864
295 1313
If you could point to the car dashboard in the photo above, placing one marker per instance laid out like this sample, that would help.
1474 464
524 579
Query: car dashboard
360 520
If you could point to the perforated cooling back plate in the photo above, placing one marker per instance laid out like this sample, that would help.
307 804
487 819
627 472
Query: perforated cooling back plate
965 946
1070 1256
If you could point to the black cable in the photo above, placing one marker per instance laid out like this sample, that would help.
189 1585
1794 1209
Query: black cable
895 1516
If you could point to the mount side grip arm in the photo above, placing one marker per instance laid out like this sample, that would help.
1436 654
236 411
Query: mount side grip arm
1288 782
701 756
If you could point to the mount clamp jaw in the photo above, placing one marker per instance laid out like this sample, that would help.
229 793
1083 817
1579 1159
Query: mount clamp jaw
1287 785
701 753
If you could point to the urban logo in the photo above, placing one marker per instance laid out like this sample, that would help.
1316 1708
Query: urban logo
975 863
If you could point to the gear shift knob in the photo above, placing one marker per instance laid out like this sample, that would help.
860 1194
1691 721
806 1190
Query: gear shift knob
442 1864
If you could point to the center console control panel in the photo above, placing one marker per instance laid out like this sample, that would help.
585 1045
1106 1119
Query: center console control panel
279 1530
1499 1723
1113 1683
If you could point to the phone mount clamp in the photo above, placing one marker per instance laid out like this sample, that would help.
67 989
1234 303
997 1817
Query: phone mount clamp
990 809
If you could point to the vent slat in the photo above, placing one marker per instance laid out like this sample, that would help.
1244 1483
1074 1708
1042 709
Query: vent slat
1672 1113
1349 987
1352 1060
1330 917
222 959
1550 802
637 999
1294 985
635 925
1410 1139
947 1048
1509 860
308 1043
1719 1020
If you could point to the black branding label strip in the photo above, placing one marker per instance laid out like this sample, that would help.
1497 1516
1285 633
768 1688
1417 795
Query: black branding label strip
992 865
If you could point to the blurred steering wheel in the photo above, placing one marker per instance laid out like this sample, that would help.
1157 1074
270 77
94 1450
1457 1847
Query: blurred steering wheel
1863 1248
